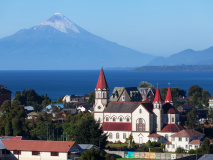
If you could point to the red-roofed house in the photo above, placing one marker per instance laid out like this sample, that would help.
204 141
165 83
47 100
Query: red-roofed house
36 150
186 138
120 118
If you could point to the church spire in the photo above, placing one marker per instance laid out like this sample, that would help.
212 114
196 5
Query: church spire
102 84
168 96
157 95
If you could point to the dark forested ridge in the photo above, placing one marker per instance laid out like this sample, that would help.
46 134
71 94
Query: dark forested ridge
176 68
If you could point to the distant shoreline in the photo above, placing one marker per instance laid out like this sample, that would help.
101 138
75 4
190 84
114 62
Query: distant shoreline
185 68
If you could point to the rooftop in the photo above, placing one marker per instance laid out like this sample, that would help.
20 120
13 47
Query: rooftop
116 126
36 145
188 133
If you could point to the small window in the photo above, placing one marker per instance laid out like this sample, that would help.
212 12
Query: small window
127 119
173 119
107 119
186 146
173 138
124 136
117 135
17 152
180 139
110 135
54 153
140 111
173 146
35 153
168 146
196 147
121 119
113 119
186 139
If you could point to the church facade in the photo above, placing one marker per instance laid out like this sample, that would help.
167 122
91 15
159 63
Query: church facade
156 121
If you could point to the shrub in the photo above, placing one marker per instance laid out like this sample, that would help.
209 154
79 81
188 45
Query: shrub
155 144
191 151
143 148
180 150
156 149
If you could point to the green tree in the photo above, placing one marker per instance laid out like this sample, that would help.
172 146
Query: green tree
205 97
95 154
191 118
91 98
195 89
59 100
144 84
87 131
206 146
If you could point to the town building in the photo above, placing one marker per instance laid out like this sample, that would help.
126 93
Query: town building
184 109
156 121
74 98
5 94
186 139
211 102
37 150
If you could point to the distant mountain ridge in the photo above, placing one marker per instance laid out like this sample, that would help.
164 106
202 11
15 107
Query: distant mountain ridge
187 57
60 44
174 68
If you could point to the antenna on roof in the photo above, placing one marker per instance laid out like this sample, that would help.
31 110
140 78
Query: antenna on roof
169 83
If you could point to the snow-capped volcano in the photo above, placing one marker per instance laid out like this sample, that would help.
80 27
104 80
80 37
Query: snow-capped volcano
59 22
58 43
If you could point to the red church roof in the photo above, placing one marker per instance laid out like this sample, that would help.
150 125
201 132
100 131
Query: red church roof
172 128
157 95
102 81
114 126
169 95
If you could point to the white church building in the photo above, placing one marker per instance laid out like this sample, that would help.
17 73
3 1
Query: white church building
157 121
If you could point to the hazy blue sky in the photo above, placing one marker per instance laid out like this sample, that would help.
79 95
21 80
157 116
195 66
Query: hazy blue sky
159 27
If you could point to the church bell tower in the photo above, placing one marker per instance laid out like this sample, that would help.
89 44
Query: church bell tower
101 97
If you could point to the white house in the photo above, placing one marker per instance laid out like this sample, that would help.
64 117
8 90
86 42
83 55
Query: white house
186 139
36 150
155 121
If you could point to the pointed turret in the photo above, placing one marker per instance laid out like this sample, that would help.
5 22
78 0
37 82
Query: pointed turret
157 109
169 96
102 84
157 95
101 97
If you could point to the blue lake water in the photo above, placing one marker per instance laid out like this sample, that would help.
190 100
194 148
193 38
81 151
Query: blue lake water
60 83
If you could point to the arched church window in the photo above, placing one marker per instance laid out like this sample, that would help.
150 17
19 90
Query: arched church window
99 95
127 119
117 135
113 119
110 135
107 119
140 111
140 124
121 119
124 136
104 95
99 119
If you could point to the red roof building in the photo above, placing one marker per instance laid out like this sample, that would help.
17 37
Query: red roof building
168 96
188 133
102 83
157 95
107 126
172 128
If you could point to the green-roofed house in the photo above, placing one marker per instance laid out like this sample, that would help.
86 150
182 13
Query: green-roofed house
125 94
32 115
